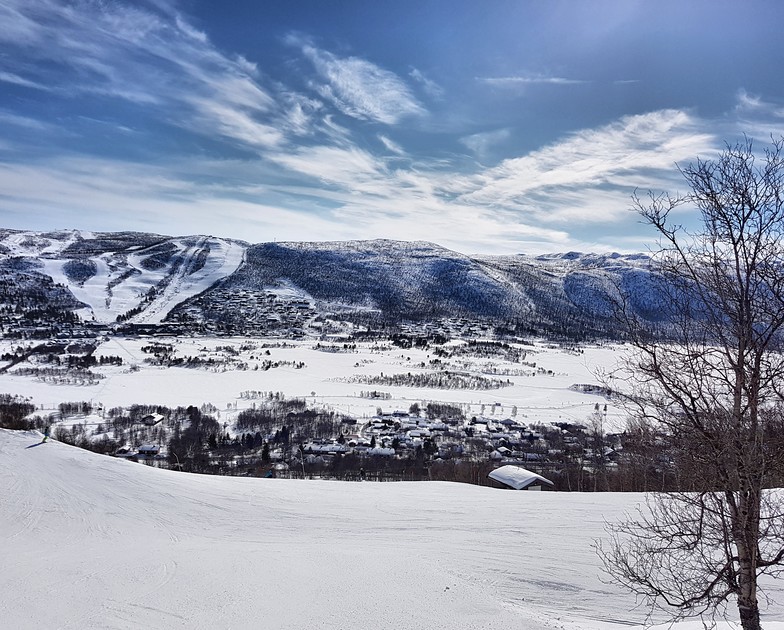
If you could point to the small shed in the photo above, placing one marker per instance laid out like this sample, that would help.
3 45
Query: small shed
518 478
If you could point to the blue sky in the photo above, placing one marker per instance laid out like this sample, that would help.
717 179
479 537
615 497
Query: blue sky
486 126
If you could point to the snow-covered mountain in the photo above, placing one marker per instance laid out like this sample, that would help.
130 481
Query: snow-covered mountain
129 276
215 284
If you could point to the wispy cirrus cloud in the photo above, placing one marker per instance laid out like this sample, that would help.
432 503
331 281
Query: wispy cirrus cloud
518 81
138 55
545 183
391 145
26 122
430 86
758 118
10 77
360 88
481 143
747 104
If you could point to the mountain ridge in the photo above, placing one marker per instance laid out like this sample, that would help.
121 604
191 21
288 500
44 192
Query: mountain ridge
215 285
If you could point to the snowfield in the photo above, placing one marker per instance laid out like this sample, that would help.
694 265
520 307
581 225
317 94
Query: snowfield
88 541
121 281
541 394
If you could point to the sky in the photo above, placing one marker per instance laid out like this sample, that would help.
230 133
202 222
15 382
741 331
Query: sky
486 126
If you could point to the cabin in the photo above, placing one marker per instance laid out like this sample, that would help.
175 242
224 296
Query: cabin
152 419
124 451
149 450
519 478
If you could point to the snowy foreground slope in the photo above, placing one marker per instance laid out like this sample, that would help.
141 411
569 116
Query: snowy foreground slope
88 541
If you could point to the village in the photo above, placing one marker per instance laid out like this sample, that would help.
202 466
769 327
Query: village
278 437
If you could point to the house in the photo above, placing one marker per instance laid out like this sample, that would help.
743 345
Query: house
152 419
124 451
504 451
325 448
518 478
381 451
149 450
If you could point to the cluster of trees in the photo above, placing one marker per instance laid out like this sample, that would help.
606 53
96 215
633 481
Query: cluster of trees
438 410
487 349
434 380
79 270
189 446
14 412
164 354
70 356
75 408
292 415
59 375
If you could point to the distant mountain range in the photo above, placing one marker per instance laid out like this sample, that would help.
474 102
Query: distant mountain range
213 285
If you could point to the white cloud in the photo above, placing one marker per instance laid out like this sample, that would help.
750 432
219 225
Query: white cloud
746 101
362 89
350 168
10 77
27 122
116 195
517 81
234 123
481 143
391 145
431 87
190 31
588 160
156 60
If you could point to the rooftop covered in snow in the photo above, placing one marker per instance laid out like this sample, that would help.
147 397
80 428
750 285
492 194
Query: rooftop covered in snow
517 477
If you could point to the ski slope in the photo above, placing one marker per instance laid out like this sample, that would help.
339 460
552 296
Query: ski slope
121 281
88 541
223 259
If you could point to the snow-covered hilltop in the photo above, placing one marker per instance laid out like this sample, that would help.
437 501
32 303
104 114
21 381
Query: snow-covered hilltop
131 277
111 544
88 541
210 285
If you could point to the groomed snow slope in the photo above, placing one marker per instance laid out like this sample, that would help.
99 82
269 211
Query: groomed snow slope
88 541
121 280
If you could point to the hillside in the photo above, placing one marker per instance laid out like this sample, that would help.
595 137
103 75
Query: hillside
129 276
91 541
211 285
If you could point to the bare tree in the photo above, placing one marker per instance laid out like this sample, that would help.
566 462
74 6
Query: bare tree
714 384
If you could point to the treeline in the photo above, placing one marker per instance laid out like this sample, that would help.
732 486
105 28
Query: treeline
433 380
302 422
14 411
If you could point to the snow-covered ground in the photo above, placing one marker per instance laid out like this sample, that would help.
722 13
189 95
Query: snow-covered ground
121 281
540 394
88 541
